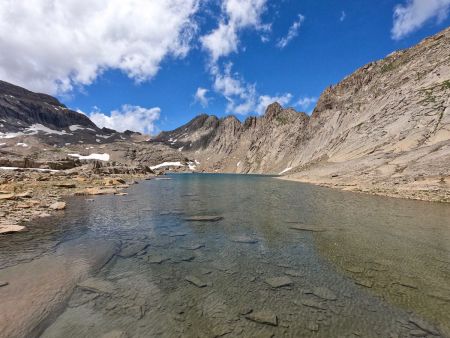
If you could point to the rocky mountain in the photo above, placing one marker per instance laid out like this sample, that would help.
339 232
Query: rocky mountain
37 131
384 129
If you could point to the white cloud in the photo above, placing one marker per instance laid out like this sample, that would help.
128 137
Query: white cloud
415 13
242 97
292 33
265 100
54 46
306 102
200 96
237 15
343 16
129 117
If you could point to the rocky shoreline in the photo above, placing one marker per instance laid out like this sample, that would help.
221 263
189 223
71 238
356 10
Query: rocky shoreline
27 194
426 190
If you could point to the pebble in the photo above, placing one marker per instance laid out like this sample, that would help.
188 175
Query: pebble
2 283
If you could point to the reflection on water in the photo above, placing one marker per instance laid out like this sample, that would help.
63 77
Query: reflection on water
287 259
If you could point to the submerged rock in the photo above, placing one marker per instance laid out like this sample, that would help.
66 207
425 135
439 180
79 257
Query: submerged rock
294 273
2 283
132 249
58 206
421 324
324 293
115 334
156 259
244 239
311 303
310 228
97 285
263 317
203 218
196 281
278 282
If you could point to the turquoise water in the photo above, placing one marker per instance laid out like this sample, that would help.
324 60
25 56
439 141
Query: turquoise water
286 260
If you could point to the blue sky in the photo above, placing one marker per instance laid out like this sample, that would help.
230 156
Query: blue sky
152 65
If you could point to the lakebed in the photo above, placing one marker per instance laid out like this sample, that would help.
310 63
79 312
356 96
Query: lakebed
266 258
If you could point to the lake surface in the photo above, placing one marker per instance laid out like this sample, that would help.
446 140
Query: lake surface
286 260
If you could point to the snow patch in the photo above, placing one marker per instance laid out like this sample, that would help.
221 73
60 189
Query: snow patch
20 144
167 164
35 128
100 157
180 149
285 170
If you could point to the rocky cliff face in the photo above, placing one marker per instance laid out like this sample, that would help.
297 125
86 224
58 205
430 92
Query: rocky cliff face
384 129
21 108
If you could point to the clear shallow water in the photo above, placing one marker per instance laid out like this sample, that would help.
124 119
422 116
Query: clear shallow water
372 267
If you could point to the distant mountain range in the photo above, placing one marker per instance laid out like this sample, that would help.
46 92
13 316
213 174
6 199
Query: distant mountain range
384 129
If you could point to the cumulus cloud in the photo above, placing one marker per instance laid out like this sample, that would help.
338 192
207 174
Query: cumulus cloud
237 15
200 96
265 100
128 117
53 46
292 33
306 102
243 97
412 15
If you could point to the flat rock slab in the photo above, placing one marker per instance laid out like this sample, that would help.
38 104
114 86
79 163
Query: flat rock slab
421 324
156 259
278 282
194 246
312 304
58 206
203 218
244 239
364 282
196 281
324 293
38 290
10 228
263 317
132 250
294 273
7 196
305 227
97 285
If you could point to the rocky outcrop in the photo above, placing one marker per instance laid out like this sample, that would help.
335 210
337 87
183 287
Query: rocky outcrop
383 129
20 107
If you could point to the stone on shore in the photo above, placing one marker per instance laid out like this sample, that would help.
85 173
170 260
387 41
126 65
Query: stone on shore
58 206
2 283
10 228
263 317
7 196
